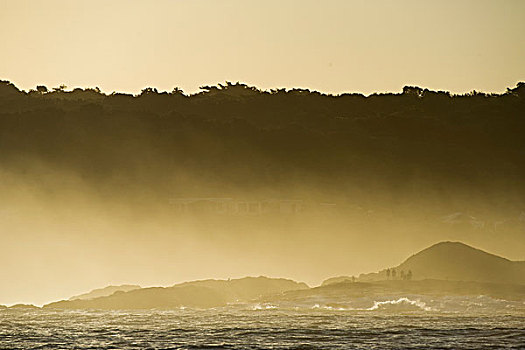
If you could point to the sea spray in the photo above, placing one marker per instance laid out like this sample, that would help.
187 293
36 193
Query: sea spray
401 304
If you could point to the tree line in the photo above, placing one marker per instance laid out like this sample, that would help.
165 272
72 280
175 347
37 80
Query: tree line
237 137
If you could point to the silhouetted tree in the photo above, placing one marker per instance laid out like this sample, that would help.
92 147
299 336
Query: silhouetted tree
42 89
61 88
177 91
149 91
518 91
413 90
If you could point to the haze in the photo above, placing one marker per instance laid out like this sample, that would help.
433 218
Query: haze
89 184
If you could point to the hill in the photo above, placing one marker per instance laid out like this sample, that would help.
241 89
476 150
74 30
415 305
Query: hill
104 292
460 262
444 269
247 288
202 294
24 307
452 261
338 294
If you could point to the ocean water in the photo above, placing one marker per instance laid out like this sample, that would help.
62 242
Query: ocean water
402 323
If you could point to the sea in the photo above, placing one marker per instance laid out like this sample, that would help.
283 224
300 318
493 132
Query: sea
399 323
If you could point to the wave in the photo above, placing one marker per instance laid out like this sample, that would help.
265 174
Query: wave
480 304
257 307
328 307
401 304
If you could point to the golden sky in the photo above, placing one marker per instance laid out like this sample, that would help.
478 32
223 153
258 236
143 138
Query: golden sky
332 46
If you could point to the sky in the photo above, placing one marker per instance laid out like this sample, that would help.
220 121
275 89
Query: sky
331 46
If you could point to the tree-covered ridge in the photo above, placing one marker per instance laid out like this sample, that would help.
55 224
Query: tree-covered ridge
236 137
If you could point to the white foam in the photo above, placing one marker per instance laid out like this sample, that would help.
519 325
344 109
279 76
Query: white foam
401 304
263 307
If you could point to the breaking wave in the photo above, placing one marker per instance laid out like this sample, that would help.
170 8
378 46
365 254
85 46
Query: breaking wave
328 307
401 304
263 307
480 304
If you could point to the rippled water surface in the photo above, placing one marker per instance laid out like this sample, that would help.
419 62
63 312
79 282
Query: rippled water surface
263 327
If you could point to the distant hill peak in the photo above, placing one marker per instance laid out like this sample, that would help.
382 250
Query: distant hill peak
451 248
246 281
461 262
454 261
104 292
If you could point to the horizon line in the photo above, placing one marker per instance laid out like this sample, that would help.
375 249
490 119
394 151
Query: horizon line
224 85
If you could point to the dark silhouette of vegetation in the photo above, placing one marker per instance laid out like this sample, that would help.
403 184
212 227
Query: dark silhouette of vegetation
233 136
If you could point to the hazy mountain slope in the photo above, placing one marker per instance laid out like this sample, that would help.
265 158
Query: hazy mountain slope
149 298
458 261
451 261
209 293
248 287
106 291
338 279
23 306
